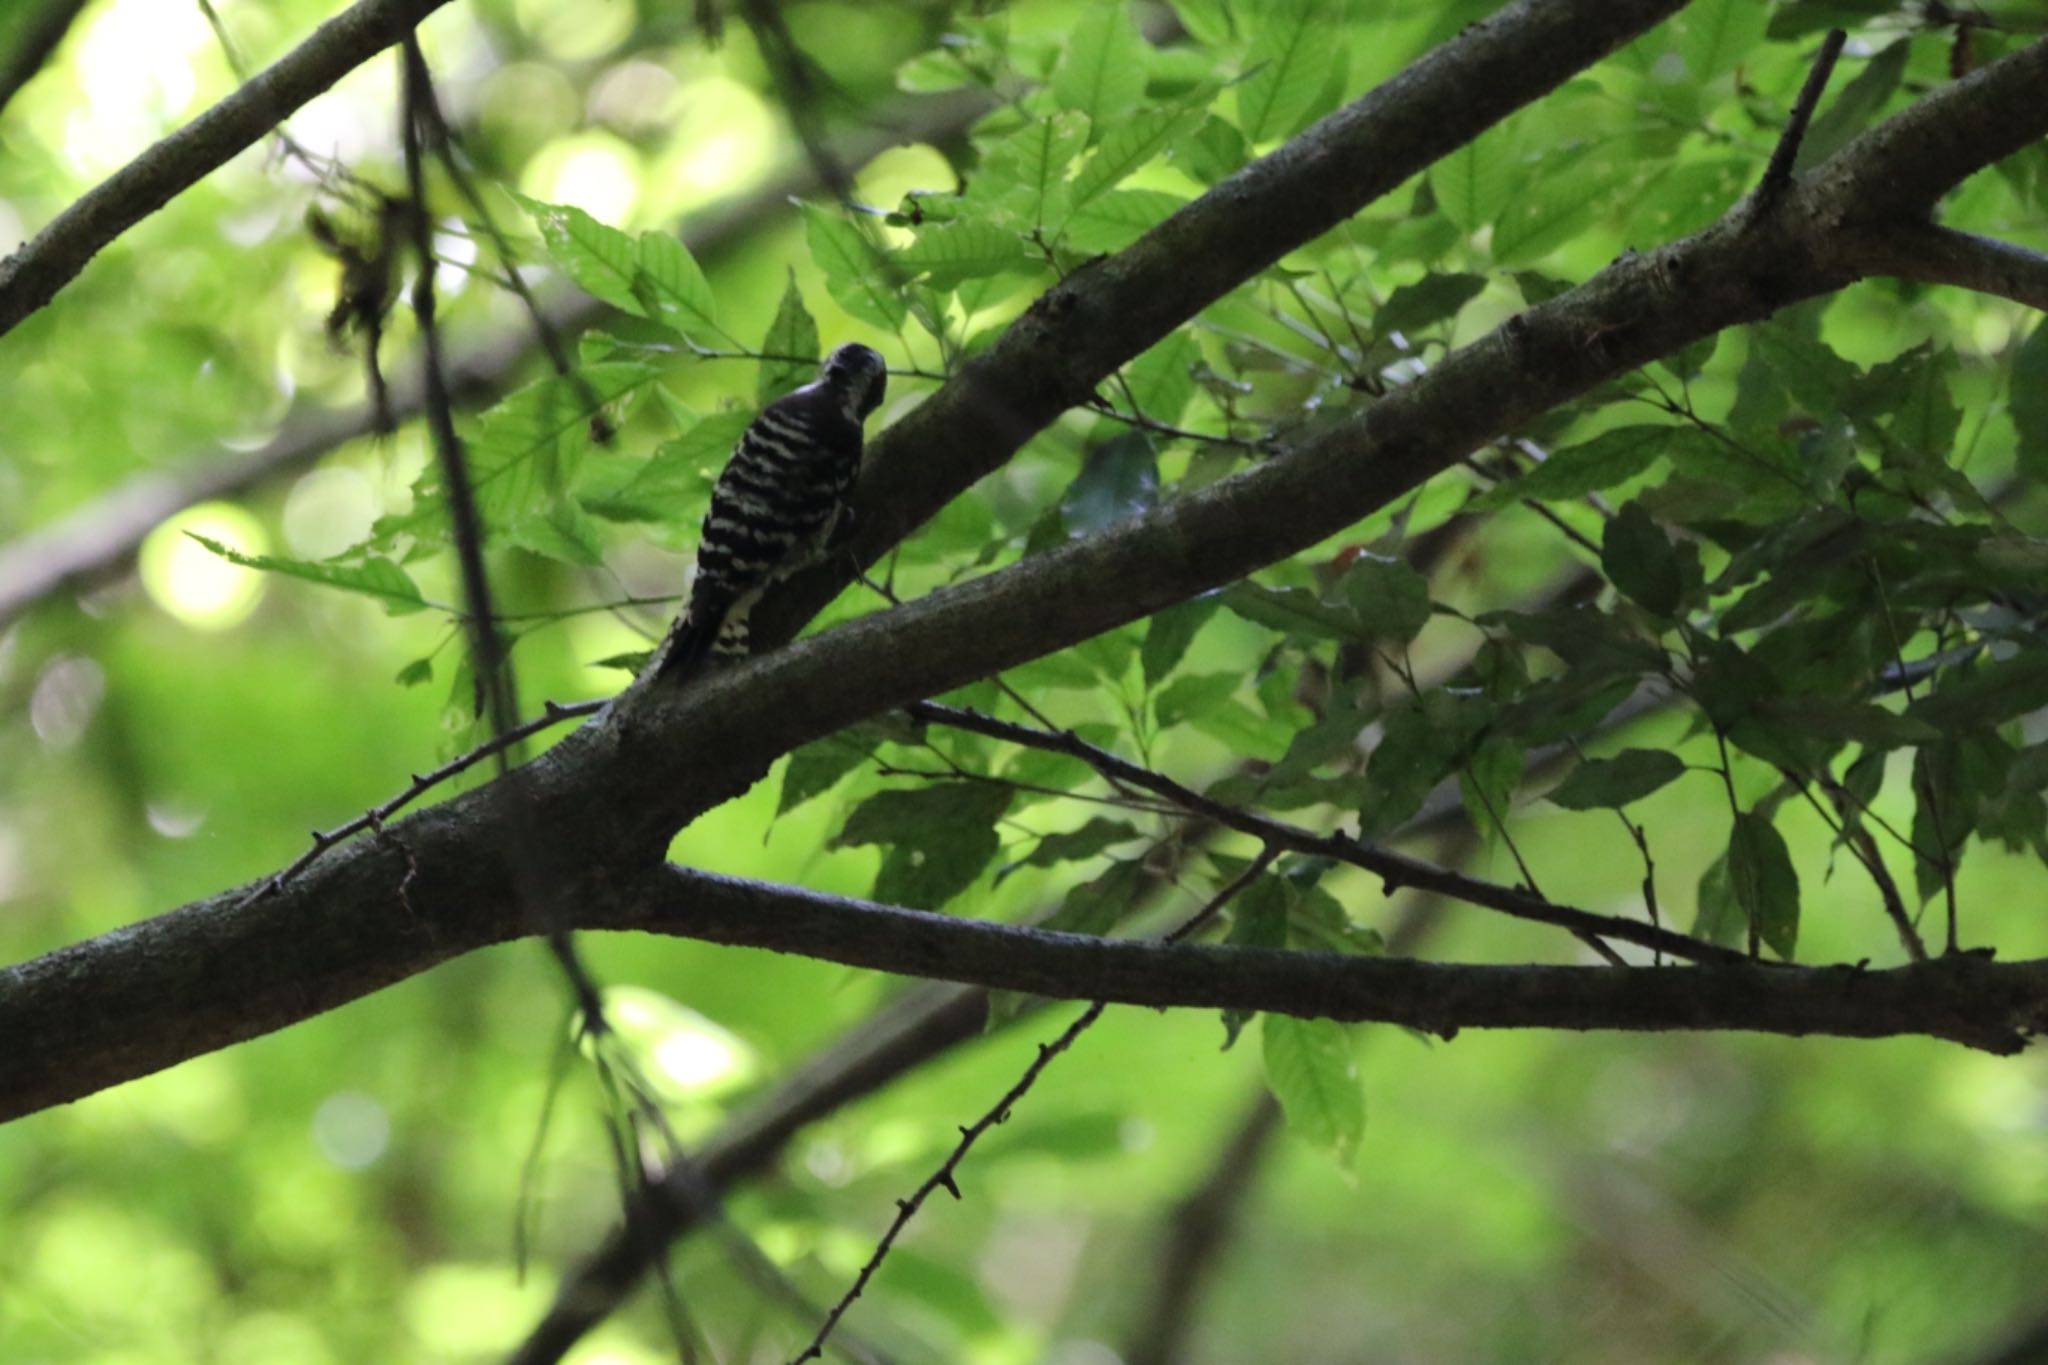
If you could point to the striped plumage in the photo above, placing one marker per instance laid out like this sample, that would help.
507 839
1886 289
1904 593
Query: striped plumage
777 504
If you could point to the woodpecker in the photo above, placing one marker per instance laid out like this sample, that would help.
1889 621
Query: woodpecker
779 504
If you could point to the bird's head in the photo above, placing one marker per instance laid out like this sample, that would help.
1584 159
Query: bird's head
857 376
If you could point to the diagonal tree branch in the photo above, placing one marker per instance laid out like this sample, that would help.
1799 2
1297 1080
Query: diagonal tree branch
32 276
613 792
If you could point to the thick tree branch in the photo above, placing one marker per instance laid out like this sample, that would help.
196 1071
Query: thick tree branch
102 535
613 792
1076 335
1939 255
32 276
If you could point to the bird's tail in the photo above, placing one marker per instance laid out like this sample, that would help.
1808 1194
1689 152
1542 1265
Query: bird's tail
688 644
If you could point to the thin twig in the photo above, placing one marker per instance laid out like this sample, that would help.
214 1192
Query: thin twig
943 1177
1394 869
422 783
1778 172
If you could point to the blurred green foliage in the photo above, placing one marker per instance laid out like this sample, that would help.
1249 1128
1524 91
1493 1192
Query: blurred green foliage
1759 531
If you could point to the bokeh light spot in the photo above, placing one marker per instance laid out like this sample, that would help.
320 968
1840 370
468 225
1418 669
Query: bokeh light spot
193 583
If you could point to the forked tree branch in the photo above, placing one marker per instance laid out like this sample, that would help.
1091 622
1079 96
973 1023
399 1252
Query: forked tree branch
613 793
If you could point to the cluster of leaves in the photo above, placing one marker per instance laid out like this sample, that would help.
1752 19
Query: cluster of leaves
1805 552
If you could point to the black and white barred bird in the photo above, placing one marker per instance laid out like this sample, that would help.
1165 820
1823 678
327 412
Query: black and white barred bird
776 508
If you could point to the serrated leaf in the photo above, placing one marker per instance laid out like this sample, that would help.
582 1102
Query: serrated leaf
1294 52
1292 611
1124 148
952 253
602 260
527 446
816 768
1026 173
1714 35
939 839
1169 633
1113 220
1119 479
1611 783
1764 884
374 577
1161 381
1193 695
1988 693
674 484
1077 845
1098 906
558 529
1312 1070
794 334
856 270
1593 465
1101 71
1427 302
1213 151
674 287
1637 558
1473 184
1389 600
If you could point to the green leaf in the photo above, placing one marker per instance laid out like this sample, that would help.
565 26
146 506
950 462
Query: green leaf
1119 479
1473 184
793 333
1112 221
1169 633
1098 906
675 484
1102 68
1714 35
1213 151
1077 845
417 672
526 448
2028 397
1914 391
374 577
1389 600
1614 456
1638 559
1611 783
939 839
856 270
1129 145
602 260
1294 52
1026 173
1161 381
1717 918
1312 1070
816 768
1193 695
1987 694
1765 886
1291 611
953 253
675 288
1427 302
